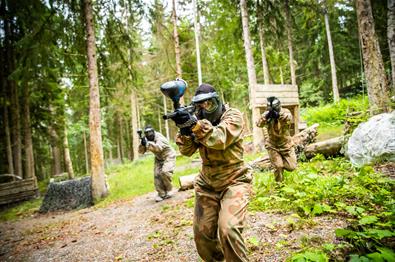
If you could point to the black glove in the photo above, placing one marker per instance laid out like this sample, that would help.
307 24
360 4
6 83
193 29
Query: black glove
272 115
184 119
186 131
143 141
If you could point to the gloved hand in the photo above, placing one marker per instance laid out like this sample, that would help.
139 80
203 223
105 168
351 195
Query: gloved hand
186 131
184 119
143 141
271 115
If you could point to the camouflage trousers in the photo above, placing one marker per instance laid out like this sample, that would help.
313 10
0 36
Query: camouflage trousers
282 160
163 172
219 221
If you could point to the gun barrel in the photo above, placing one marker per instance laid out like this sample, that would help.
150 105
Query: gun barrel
169 115
189 109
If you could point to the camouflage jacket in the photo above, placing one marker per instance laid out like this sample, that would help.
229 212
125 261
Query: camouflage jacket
277 132
221 150
160 147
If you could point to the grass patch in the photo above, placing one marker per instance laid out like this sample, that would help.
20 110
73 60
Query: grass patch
137 178
329 131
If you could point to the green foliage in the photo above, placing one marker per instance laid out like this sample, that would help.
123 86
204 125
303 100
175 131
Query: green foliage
334 114
334 187
310 256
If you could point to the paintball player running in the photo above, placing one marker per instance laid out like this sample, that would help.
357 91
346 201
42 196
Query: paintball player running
222 187
165 158
278 141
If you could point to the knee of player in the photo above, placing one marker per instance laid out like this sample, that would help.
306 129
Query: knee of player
226 229
291 166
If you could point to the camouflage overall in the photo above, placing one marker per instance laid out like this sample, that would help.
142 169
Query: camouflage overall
222 188
278 142
165 158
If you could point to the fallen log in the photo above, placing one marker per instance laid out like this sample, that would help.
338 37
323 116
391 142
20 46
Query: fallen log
301 140
330 147
186 182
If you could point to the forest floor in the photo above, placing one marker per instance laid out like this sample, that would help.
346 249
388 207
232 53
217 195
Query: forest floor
140 229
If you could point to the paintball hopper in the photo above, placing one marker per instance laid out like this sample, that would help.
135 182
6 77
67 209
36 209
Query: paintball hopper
174 90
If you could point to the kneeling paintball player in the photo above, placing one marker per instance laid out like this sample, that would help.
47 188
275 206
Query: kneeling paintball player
222 187
278 141
165 158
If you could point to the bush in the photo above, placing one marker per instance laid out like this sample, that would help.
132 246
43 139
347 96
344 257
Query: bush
334 114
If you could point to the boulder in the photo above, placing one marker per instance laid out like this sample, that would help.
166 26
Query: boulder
373 141
68 195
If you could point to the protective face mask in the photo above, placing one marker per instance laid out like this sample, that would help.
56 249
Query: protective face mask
211 106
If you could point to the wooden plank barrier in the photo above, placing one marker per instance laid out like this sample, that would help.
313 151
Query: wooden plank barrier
18 190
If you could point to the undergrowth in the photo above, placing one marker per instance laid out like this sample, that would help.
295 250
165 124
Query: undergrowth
334 114
364 198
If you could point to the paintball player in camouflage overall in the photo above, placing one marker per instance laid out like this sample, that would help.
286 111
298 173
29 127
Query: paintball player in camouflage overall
165 158
278 141
222 187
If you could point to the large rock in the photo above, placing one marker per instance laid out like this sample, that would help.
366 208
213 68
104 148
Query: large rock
373 141
68 195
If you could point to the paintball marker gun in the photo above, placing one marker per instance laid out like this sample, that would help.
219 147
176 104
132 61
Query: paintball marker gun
175 90
142 138
140 133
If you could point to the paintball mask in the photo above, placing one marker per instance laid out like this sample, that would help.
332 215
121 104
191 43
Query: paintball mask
149 133
208 104
273 104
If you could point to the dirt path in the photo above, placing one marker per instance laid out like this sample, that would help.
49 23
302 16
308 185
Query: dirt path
142 230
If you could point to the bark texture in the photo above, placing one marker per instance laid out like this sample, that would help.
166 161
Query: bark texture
133 105
262 42
391 39
290 44
335 89
377 85
67 159
28 141
257 133
99 186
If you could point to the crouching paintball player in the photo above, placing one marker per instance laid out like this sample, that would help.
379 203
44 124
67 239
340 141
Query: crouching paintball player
222 187
278 142
165 158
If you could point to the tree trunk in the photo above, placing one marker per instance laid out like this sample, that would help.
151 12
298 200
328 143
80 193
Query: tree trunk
8 142
7 135
29 164
166 122
290 45
86 154
56 159
335 90
67 158
160 121
14 99
121 154
377 85
176 41
99 186
257 132
135 126
391 39
265 66
197 36
177 46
